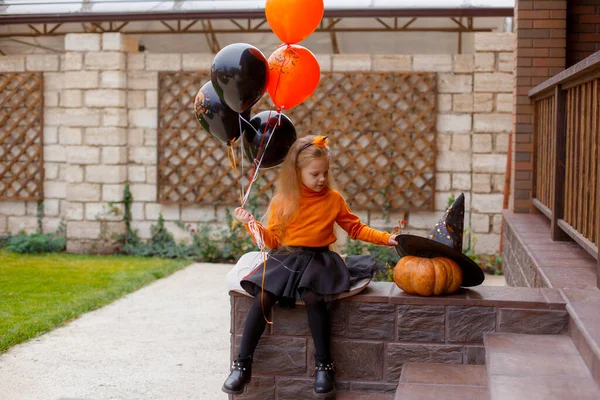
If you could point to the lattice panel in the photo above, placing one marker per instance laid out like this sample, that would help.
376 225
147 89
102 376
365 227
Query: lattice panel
21 138
382 127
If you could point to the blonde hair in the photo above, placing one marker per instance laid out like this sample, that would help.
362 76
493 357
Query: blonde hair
286 200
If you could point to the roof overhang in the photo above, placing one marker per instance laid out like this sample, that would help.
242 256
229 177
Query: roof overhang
45 11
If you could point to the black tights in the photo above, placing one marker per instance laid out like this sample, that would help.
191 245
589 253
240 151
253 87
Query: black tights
318 322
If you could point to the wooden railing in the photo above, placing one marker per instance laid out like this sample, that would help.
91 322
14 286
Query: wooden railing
567 152
544 124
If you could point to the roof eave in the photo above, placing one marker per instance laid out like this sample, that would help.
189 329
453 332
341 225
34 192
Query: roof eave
191 15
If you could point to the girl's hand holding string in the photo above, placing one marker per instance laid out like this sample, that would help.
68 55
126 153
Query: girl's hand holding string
242 215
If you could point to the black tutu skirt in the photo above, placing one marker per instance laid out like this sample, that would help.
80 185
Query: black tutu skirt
294 272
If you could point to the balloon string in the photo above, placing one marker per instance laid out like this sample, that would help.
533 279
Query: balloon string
232 163
254 228
262 291
253 174
241 181
288 47
258 162
252 225
244 119
231 157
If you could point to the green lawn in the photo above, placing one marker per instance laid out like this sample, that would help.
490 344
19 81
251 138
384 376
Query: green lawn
41 292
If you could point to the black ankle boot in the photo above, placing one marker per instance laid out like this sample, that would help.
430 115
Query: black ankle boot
324 378
241 373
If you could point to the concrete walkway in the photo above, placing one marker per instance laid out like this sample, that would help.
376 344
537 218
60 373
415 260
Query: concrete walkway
169 340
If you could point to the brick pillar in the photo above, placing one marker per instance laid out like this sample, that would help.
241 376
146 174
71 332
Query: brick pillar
583 30
94 130
540 54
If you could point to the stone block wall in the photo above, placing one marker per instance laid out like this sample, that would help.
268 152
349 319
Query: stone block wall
375 333
519 266
100 131
22 215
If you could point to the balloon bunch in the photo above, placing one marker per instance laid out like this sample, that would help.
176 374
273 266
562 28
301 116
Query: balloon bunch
240 75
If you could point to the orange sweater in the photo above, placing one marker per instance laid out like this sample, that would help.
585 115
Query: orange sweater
313 225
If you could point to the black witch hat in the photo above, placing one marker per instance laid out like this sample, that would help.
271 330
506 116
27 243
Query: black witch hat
444 240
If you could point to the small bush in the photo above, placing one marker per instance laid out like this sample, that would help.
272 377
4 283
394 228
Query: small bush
36 243
162 244
209 243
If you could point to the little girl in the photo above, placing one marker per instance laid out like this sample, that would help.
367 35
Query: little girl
300 265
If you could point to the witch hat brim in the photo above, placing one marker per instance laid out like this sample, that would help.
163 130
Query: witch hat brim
410 245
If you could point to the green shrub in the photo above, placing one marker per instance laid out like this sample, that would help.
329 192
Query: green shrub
38 242
162 244
209 243
204 246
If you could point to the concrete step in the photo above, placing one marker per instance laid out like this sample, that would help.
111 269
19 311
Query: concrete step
423 381
533 367
583 306
414 391
444 374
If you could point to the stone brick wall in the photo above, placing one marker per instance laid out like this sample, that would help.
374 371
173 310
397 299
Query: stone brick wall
583 30
100 131
518 265
17 215
375 333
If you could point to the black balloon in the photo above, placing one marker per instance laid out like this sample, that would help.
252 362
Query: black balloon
215 117
239 74
281 132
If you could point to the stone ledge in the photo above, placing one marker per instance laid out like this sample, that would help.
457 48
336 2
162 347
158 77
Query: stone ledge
383 328
491 296
532 259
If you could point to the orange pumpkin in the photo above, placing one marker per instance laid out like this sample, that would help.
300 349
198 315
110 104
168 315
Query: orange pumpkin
428 276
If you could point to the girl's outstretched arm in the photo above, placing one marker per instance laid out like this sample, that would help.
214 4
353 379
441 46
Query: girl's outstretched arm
357 230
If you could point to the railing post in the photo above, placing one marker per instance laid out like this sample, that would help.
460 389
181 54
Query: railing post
560 138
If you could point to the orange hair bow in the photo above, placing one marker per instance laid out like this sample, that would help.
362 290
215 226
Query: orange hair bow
320 141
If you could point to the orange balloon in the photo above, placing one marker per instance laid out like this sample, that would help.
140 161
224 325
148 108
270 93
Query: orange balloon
294 74
294 20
